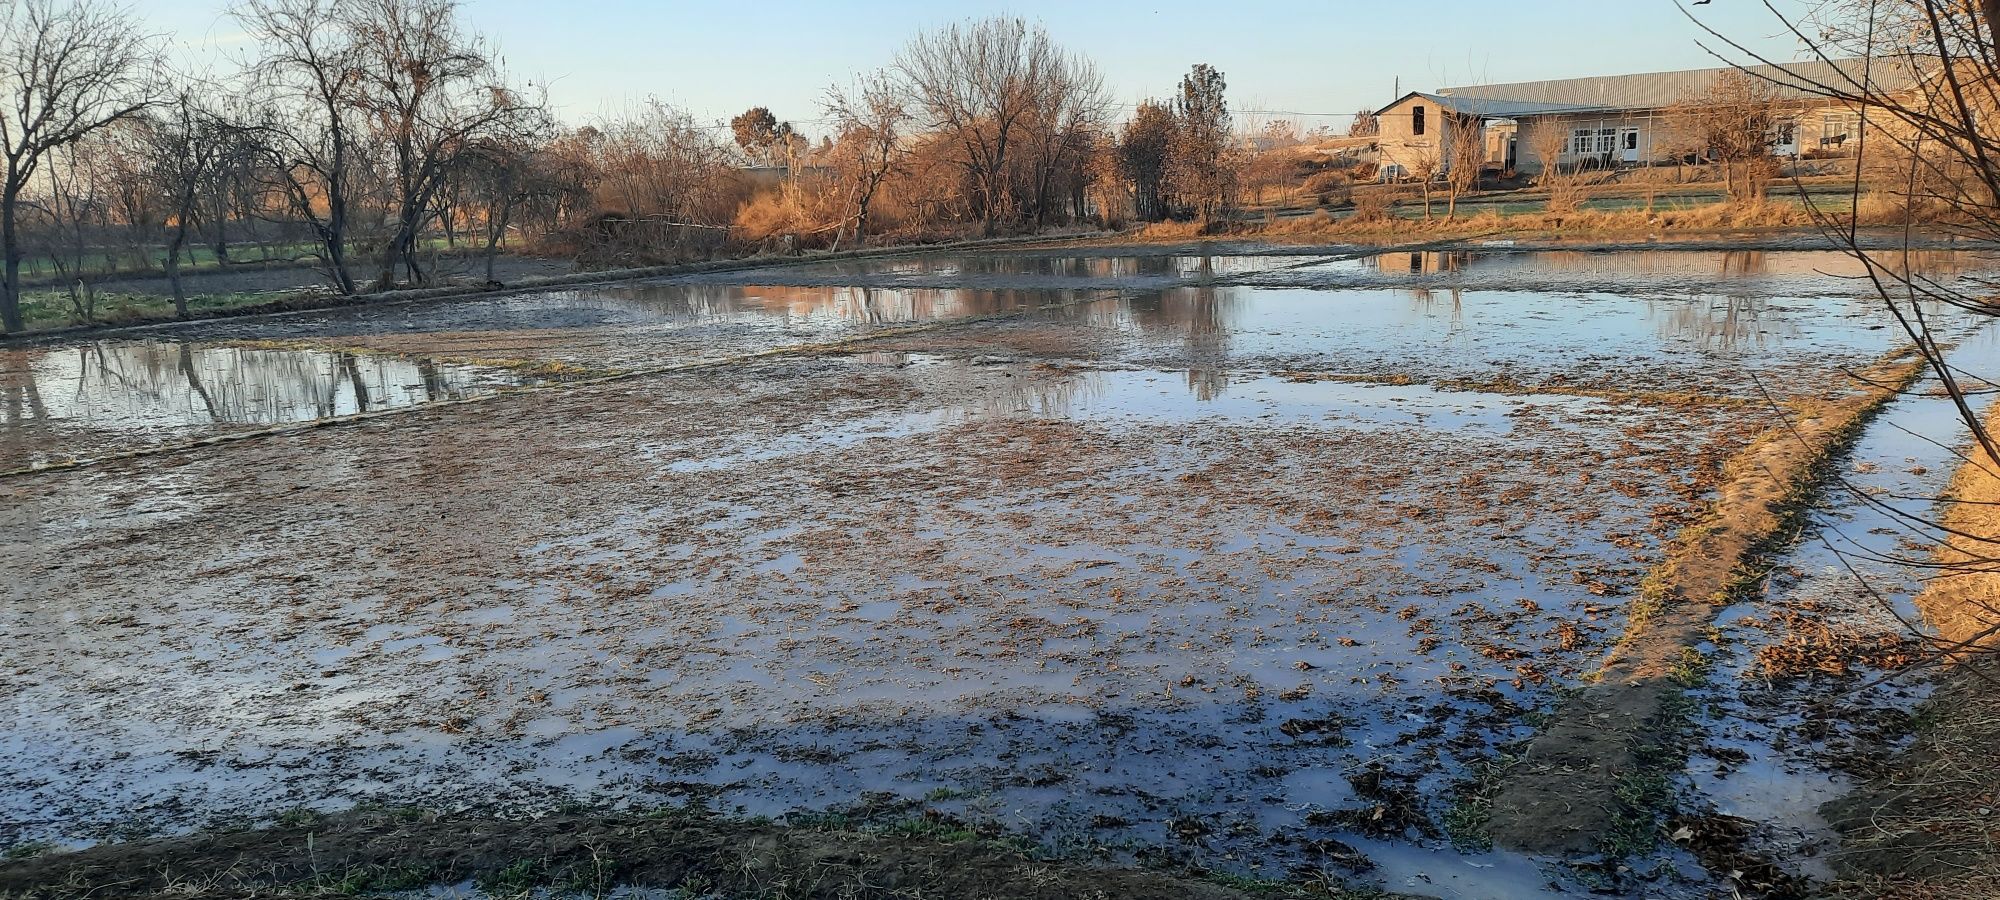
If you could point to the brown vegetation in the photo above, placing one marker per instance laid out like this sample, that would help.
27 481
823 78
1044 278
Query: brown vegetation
1735 120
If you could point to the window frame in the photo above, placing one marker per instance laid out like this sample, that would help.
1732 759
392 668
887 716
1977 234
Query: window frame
1580 141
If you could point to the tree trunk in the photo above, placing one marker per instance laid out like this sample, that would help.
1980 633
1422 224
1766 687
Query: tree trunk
10 247
221 236
173 264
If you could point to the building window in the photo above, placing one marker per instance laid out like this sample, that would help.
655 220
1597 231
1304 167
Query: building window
1416 120
1838 129
1631 139
1579 141
1606 139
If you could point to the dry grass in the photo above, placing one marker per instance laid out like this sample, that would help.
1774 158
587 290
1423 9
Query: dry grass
1930 829
1371 217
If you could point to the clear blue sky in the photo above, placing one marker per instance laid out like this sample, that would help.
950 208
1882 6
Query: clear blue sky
1328 57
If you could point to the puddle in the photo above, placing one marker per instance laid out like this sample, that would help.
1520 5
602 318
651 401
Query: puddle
1720 345
106 396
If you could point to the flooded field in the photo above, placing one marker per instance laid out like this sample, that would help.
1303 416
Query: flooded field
1250 562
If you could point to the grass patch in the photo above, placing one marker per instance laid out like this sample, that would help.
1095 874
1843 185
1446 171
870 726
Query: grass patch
45 309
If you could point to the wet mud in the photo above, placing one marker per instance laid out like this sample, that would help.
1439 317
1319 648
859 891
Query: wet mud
1236 577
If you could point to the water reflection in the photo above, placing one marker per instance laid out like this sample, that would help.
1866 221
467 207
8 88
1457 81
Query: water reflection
112 394
690 304
1724 322
1043 265
1669 263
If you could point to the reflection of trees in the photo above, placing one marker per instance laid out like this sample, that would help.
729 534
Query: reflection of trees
699 304
1050 397
1743 262
1198 318
1721 322
1424 301
20 405
1423 262
144 385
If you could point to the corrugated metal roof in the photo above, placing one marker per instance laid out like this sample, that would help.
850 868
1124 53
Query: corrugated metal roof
1495 108
1659 89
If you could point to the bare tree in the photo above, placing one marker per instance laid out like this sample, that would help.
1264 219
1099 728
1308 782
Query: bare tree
75 219
1564 185
306 137
1070 106
428 91
502 173
184 144
1424 162
870 117
974 82
67 69
1734 120
1465 134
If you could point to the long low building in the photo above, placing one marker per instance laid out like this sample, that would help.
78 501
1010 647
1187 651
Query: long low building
1619 120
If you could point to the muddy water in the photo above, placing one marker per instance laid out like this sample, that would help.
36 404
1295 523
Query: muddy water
1138 576
107 396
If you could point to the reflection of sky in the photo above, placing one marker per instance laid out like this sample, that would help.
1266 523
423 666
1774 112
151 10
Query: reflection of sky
1496 326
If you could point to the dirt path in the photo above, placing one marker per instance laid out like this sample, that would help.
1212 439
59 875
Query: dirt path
1593 778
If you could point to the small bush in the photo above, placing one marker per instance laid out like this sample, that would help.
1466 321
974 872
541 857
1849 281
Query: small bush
1371 206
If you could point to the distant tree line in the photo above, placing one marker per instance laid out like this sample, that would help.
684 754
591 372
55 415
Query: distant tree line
366 137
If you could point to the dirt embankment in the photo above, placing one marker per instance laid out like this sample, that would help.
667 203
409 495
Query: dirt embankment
371 854
1930 826
1590 779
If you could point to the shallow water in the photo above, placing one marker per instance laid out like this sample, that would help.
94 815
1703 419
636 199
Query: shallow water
97 397
117 395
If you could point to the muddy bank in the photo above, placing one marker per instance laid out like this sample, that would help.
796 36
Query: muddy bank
371 854
1592 779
